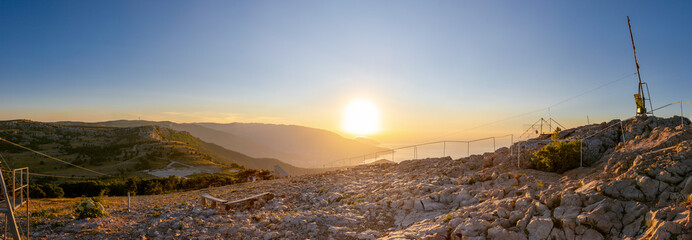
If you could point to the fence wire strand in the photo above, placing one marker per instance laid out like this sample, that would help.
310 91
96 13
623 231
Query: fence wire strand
348 161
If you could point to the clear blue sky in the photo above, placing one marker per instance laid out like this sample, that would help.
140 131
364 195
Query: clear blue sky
432 67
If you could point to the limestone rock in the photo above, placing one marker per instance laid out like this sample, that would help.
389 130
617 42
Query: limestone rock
500 233
539 228
566 212
591 234
470 228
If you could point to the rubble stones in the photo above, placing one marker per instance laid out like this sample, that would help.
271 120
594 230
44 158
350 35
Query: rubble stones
639 190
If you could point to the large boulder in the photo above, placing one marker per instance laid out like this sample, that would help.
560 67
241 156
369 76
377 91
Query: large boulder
539 228
470 228
625 189
604 216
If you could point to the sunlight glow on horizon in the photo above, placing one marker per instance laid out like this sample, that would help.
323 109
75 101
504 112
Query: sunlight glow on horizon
361 117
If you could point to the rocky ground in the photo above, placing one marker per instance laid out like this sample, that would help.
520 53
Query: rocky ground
636 184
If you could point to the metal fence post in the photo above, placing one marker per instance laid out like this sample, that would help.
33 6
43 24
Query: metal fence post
623 132
682 119
468 152
444 148
510 145
494 148
14 194
28 201
518 154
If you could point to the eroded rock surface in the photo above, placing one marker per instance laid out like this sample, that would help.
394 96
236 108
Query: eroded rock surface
635 185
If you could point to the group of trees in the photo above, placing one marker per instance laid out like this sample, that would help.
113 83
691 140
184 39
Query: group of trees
141 186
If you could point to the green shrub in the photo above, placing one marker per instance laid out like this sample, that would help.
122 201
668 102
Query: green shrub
36 192
152 187
88 188
53 191
90 208
558 157
46 191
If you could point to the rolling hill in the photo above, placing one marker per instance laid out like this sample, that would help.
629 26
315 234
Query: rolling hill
129 150
296 145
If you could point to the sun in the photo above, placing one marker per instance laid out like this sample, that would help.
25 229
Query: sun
361 117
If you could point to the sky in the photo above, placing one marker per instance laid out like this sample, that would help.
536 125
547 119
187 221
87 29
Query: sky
434 69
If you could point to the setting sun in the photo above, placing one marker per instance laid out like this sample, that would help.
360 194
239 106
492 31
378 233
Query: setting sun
361 117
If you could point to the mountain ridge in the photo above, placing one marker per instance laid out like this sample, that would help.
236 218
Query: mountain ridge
297 145
311 142
122 150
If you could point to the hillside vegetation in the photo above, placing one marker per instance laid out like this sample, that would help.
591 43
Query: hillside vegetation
296 145
143 151
636 184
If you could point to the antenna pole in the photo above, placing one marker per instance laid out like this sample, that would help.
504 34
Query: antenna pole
641 90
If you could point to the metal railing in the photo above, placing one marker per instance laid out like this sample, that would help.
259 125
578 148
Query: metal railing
363 158
20 184
415 153
620 123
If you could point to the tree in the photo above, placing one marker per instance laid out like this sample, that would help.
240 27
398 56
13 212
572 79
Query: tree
557 157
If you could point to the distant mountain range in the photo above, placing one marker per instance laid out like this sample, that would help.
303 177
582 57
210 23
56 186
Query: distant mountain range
305 146
296 145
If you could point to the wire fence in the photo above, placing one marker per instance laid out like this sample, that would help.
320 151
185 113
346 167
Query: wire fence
52 158
465 148
451 148
616 124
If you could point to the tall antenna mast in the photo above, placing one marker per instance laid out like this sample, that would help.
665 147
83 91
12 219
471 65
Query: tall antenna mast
639 97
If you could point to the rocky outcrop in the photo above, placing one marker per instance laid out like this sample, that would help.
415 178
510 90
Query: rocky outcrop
632 188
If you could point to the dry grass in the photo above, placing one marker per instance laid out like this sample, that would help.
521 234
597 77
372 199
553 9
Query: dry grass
58 211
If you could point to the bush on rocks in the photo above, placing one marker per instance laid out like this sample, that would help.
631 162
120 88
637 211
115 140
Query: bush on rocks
557 157
90 208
